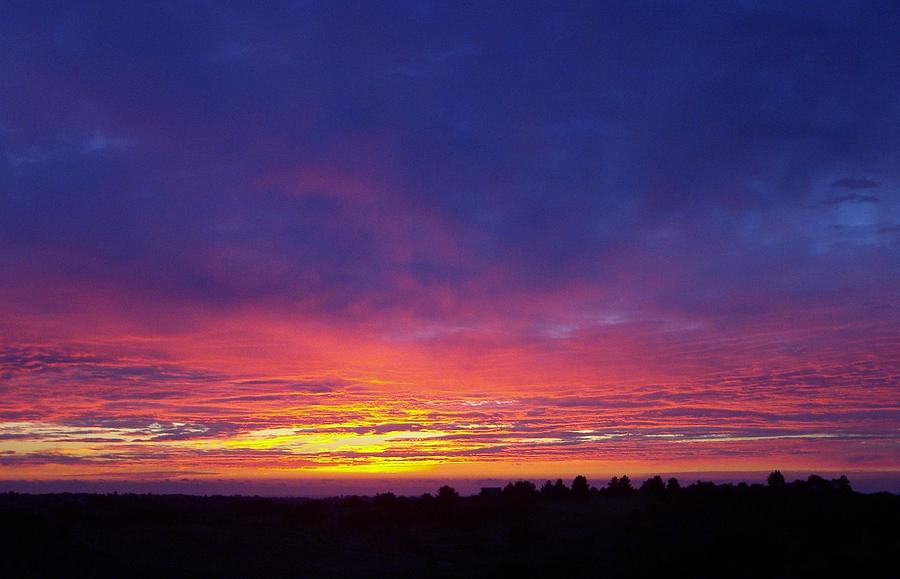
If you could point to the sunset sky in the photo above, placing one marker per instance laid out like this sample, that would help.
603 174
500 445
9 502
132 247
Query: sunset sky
291 240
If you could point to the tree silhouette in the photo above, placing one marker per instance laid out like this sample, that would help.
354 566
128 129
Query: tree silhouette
385 500
555 490
653 486
560 488
776 480
620 486
520 488
842 484
818 484
526 487
673 485
547 489
447 495
580 487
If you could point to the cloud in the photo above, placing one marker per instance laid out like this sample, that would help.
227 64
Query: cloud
849 183
431 62
311 385
850 198
101 142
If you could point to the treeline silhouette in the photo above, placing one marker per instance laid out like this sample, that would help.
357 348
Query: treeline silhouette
805 528
657 487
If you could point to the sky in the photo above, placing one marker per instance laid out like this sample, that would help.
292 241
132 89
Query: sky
269 241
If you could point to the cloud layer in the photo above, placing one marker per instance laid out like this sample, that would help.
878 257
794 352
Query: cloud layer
254 241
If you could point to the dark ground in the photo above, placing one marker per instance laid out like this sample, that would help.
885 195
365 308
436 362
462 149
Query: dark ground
803 529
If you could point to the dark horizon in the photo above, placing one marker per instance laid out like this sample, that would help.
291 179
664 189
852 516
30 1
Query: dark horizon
328 487
817 528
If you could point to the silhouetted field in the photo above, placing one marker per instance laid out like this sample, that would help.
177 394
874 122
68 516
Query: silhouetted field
812 528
